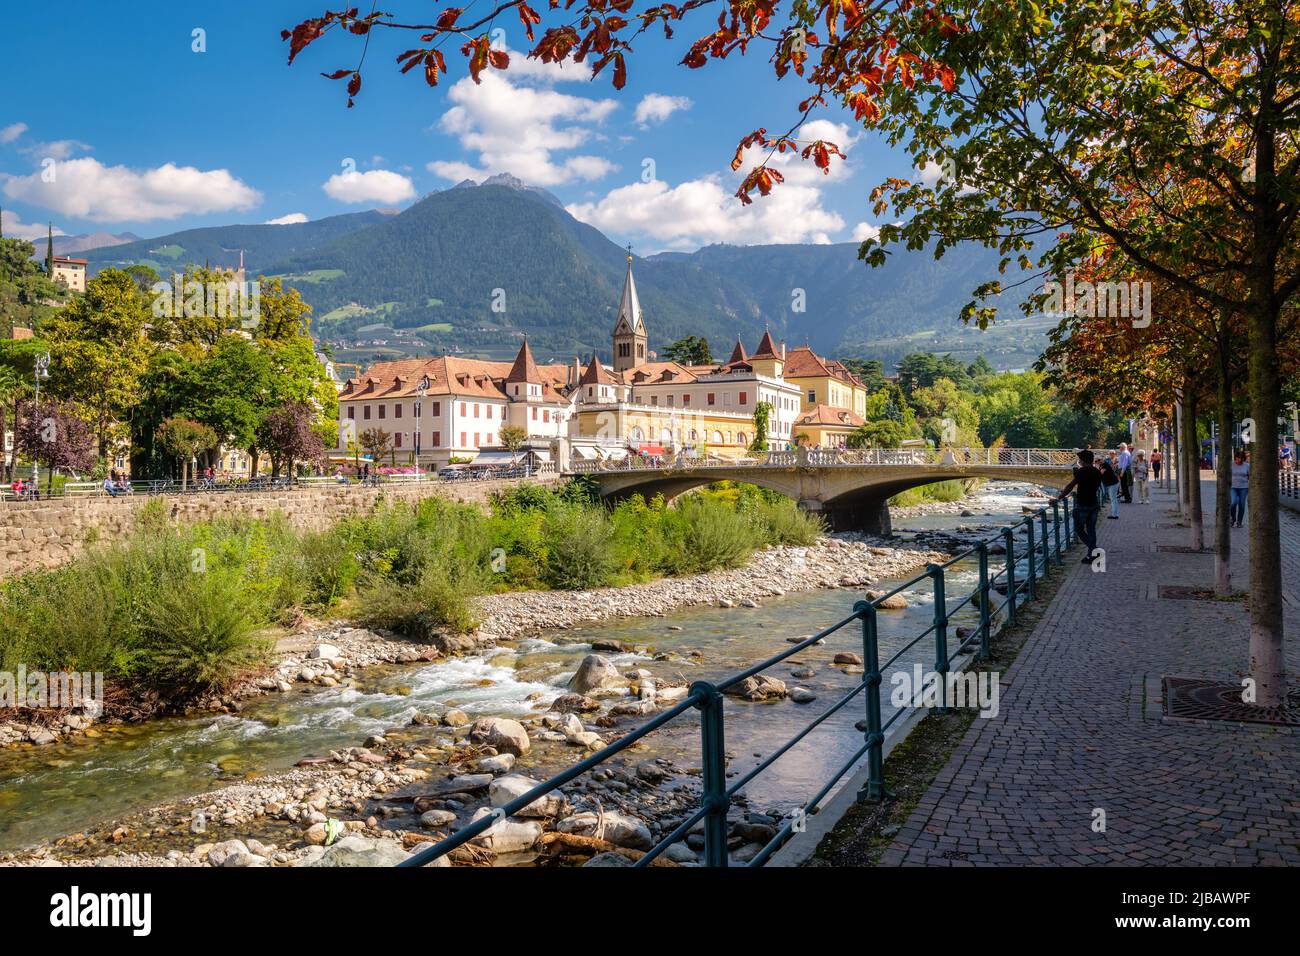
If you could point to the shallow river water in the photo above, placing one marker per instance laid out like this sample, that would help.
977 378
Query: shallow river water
79 782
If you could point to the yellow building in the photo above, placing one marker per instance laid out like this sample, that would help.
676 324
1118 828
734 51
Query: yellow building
824 382
824 426
69 271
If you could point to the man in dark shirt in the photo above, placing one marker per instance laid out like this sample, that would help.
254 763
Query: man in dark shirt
1085 484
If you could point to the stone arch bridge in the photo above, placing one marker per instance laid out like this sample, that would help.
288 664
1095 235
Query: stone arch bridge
850 488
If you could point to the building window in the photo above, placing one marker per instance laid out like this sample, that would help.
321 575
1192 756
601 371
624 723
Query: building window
686 399
546 414
437 410
654 399
365 413
489 438
744 398
476 439
740 439
711 398
463 412
397 439
534 414
383 409
670 401
437 439
487 412
476 409
352 411
812 396
463 443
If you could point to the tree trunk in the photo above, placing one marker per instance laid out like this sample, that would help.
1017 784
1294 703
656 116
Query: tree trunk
1194 512
1223 471
1267 664
1180 416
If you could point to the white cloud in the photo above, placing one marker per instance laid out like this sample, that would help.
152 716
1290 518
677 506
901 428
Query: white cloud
12 132
656 107
87 189
15 228
864 231
518 129
286 220
374 185
705 210
59 149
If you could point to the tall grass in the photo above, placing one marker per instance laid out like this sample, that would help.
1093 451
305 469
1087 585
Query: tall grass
183 611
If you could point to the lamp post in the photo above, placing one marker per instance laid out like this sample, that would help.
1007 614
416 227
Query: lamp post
42 371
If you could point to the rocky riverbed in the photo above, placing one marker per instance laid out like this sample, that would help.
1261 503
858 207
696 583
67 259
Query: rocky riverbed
328 652
409 784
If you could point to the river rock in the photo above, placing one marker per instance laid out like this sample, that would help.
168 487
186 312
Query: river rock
617 828
574 703
760 687
501 763
586 739
847 657
220 851
507 836
361 851
895 602
455 718
505 735
505 789
569 725
615 646
324 652
594 672
608 859
802 695
433 819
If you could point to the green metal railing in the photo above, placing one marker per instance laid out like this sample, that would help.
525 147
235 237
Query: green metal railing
1037 551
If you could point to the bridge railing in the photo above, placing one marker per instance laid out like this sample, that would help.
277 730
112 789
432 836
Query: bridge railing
1031 546
842 457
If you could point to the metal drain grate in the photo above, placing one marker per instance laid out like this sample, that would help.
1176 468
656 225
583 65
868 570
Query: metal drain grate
1188 698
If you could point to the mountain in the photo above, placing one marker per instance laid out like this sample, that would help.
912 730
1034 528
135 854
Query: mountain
66 245
221 245
475 267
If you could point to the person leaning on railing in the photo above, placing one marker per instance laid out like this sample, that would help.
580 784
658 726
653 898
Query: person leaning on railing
1086 485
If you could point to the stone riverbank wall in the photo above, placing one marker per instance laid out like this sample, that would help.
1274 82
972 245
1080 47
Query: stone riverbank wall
36 534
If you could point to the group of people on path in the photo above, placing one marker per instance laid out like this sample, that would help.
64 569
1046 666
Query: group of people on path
1115 475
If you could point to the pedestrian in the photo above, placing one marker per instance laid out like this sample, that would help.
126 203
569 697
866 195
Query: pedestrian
1085 484
1157 459
1141 471
1124 468
1284 457
1240 487
1110 484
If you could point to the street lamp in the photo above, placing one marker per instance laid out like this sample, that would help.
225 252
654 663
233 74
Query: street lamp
42 371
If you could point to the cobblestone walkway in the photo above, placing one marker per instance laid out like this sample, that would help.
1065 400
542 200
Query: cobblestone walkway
1080 727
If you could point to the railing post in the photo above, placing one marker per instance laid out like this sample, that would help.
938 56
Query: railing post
1031 579
1047 547
875 738
1056 530
984 601
1069 524
940 634
1010 536
713 754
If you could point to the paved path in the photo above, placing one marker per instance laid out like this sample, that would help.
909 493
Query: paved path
1080 726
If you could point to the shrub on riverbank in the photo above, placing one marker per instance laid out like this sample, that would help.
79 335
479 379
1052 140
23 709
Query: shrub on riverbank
178 611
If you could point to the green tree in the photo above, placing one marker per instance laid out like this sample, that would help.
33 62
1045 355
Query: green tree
762 415
692 350
186 440
99 352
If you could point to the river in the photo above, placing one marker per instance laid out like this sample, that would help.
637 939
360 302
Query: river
79 782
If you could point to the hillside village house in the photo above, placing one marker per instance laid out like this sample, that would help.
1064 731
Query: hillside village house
449 408
71 272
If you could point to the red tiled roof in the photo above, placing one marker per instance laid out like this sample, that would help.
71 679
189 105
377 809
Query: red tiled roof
829 415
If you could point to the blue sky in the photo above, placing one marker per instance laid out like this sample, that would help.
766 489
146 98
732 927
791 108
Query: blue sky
146 135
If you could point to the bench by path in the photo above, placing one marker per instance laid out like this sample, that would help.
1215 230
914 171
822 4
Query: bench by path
1081 727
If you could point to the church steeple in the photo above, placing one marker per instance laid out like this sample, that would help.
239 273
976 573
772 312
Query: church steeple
630 339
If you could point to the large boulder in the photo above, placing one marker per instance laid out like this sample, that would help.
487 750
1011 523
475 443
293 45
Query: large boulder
507 736
507 836
594 672
505 789
574 703
361 851
612 826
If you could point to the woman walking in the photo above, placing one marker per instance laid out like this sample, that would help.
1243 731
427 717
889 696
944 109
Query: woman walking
1141 472
1240 486
1110 485
1157 458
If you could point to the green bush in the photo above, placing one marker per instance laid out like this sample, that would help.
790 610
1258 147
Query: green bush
579 554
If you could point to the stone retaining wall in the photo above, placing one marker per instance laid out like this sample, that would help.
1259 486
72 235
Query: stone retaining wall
49 533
